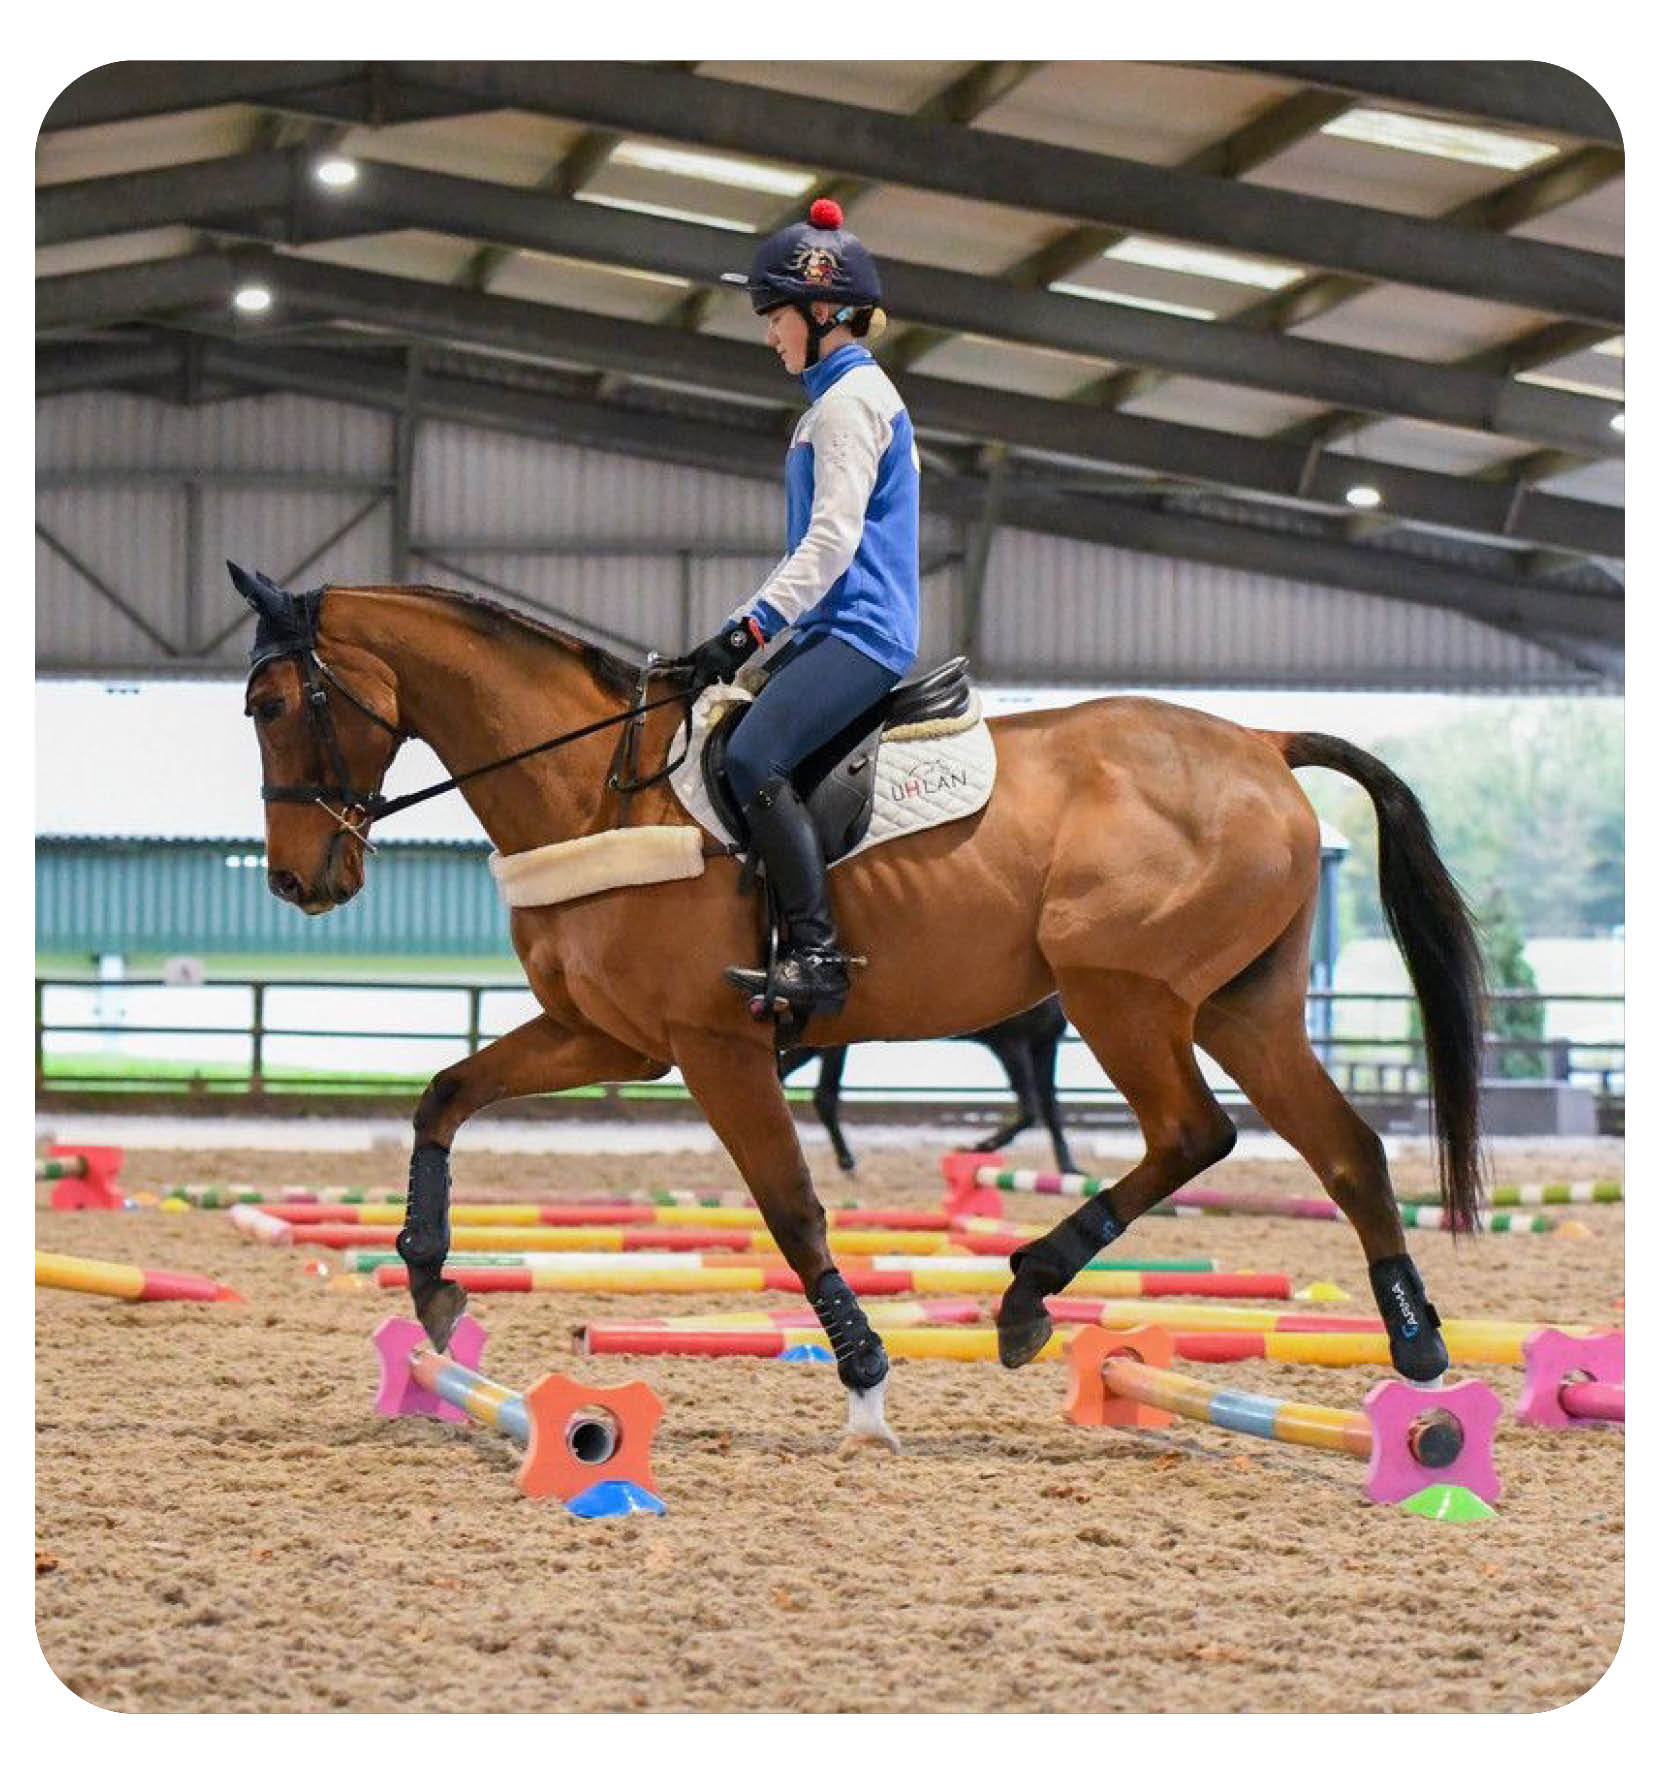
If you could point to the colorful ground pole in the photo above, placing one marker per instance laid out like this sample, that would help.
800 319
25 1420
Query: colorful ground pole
864 1281
138 1285
1409 1438
978 1187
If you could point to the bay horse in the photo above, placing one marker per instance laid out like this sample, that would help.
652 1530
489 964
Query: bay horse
1155 866
1026 1045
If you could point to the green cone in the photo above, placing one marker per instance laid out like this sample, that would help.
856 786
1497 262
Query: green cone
1447 1501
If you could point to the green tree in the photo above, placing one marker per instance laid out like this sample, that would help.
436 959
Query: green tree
1508 969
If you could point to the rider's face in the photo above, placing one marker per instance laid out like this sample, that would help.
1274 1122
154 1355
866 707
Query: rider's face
788 336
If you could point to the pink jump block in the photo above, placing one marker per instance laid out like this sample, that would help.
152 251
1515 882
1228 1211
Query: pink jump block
94 1189
1572 1380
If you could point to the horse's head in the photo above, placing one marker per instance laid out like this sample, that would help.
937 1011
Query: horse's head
328 728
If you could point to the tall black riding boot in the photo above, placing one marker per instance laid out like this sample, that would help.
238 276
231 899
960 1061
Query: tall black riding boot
811 975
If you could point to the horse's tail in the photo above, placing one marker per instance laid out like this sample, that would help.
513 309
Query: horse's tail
1436 934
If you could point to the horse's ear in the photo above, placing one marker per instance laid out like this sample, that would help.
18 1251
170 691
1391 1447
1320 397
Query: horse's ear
256 589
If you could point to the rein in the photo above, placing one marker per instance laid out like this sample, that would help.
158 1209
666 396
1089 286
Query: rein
318 679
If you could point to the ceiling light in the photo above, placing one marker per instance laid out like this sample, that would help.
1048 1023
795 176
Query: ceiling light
1364 497
665 209
1618 422
252 298
747 175
336 172
1196 261
1445 141
1119 299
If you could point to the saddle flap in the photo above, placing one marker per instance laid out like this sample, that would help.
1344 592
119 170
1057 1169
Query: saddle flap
836 783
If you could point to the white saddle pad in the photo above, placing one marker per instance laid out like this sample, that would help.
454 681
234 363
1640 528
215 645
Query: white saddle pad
935 778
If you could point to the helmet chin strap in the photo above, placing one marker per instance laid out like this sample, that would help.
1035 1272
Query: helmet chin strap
819 329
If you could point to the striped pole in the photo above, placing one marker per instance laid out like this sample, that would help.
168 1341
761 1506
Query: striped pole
1543 1193
533 1212
724 1337
887 1313
864 1282
1408 1437
138 1285
1572 1381
586 1447
368 1260
974 1187
263 1225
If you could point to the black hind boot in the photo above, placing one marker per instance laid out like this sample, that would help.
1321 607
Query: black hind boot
1416 1348
812 977
425 1241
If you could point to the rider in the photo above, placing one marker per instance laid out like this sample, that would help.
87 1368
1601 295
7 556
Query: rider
848 586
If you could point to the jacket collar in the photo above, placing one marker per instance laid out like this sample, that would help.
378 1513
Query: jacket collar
819 377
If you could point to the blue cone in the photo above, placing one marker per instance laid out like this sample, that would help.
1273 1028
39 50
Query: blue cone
806 1355
614 1500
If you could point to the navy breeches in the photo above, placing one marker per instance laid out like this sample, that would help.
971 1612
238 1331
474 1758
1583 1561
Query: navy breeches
819 690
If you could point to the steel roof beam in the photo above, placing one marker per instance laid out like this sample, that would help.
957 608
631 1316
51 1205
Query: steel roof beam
985 167
275 190
639 351
1513 94
1499 600
881 147
334 92
1535 193
1265 135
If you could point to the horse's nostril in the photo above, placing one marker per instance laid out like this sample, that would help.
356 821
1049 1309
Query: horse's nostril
285 885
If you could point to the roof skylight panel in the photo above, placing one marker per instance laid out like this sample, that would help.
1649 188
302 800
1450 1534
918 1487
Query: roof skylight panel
746 175
1119 299
1199 261
1440 139
668 211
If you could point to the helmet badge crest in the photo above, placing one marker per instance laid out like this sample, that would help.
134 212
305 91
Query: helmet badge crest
815 264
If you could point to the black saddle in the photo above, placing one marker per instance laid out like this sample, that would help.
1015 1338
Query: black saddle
837 782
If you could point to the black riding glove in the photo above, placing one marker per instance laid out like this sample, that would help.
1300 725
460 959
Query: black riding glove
718 659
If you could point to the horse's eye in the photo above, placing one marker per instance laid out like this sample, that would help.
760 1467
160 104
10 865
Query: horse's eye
266 711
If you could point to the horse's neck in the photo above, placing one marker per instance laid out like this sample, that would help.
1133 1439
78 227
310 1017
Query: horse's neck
474 694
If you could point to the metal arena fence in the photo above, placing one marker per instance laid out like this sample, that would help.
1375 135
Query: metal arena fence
330 1037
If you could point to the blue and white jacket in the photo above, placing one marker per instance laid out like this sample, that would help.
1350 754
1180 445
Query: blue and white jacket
852 566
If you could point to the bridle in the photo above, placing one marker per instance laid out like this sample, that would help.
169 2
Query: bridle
318 680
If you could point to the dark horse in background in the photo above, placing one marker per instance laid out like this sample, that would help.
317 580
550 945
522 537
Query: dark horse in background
1027 1046
1155 866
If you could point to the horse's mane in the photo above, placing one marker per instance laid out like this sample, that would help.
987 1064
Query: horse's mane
608 669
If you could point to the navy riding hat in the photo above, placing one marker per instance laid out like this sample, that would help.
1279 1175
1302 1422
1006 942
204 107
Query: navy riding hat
816 260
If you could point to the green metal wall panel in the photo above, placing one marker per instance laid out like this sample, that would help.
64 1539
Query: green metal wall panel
122 895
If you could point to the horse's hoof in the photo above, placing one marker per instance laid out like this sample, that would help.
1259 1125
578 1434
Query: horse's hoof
866 1423
1023 1329
440 1305
855 1444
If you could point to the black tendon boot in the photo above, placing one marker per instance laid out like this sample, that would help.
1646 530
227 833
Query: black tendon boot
1047 1265
425 1242
1415 1344
858 1349
812 976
